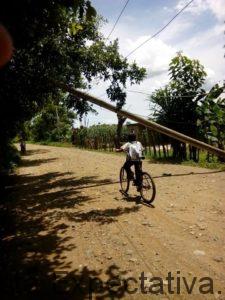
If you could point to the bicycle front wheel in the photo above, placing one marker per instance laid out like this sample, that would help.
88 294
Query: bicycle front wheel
148 189
124 181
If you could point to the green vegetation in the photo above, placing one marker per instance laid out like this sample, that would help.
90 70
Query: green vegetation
182 105
55 41
211 120
53 124
60 41
10 159
176 103
98 137
203 162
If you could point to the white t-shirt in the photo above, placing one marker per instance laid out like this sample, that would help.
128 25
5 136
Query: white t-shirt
133 149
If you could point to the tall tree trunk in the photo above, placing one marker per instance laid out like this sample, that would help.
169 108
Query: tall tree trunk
184 151
23 142
120 123
164 150
193 153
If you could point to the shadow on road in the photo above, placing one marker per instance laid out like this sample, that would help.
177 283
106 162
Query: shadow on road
102 216
36 151
34 236
36 162
188 174
137 200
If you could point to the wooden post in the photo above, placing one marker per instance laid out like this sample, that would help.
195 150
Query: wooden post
147 123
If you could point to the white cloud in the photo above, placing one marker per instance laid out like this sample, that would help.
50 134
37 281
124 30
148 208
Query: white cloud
205 44
217 7
177 29
154 56
207 38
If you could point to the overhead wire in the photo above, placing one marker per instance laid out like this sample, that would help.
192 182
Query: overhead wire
150 38
117 20
160 30
184 96
154 35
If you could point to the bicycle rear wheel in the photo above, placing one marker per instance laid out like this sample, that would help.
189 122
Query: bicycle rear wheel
124 181
148 189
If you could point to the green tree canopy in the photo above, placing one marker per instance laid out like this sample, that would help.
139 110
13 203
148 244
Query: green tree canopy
53 123
56 40
176 103
211 116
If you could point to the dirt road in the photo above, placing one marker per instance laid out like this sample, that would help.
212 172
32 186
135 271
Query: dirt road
65 223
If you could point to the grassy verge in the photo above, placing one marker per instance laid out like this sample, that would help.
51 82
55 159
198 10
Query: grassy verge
203 163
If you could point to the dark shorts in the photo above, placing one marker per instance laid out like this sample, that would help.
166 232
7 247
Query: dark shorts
137 166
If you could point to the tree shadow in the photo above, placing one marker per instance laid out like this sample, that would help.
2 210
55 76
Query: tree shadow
29 274
86 283
36 151
36 162
137 199
187 174
32 213
101 216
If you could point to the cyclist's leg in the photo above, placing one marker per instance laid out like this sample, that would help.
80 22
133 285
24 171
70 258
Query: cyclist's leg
127 166
138 171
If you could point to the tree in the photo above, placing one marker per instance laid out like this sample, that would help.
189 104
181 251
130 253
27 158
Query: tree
53 123
176 103
55 41
115 69
211 116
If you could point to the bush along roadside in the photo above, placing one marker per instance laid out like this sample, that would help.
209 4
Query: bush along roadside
9 160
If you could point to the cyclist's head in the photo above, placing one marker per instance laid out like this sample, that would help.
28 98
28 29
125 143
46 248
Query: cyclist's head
131 137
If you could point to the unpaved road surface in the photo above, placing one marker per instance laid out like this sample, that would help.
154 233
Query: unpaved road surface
68 233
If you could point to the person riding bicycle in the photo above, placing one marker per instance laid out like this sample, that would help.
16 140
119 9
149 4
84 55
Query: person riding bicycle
134 150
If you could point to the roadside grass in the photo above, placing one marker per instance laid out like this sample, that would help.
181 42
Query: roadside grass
214 163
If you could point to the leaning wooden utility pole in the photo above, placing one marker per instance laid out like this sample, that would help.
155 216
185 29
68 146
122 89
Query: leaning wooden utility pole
147 123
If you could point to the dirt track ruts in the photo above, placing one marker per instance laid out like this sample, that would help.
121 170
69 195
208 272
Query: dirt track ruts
70 216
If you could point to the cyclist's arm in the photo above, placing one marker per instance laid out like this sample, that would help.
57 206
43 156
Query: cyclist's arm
123 148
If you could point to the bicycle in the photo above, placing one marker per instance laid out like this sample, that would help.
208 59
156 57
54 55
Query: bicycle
148 188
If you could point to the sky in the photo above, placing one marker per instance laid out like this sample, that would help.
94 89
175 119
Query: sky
198 32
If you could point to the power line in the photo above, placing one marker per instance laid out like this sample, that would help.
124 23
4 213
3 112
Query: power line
139 92
147 94
160 30
114 26
117 20
185 96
